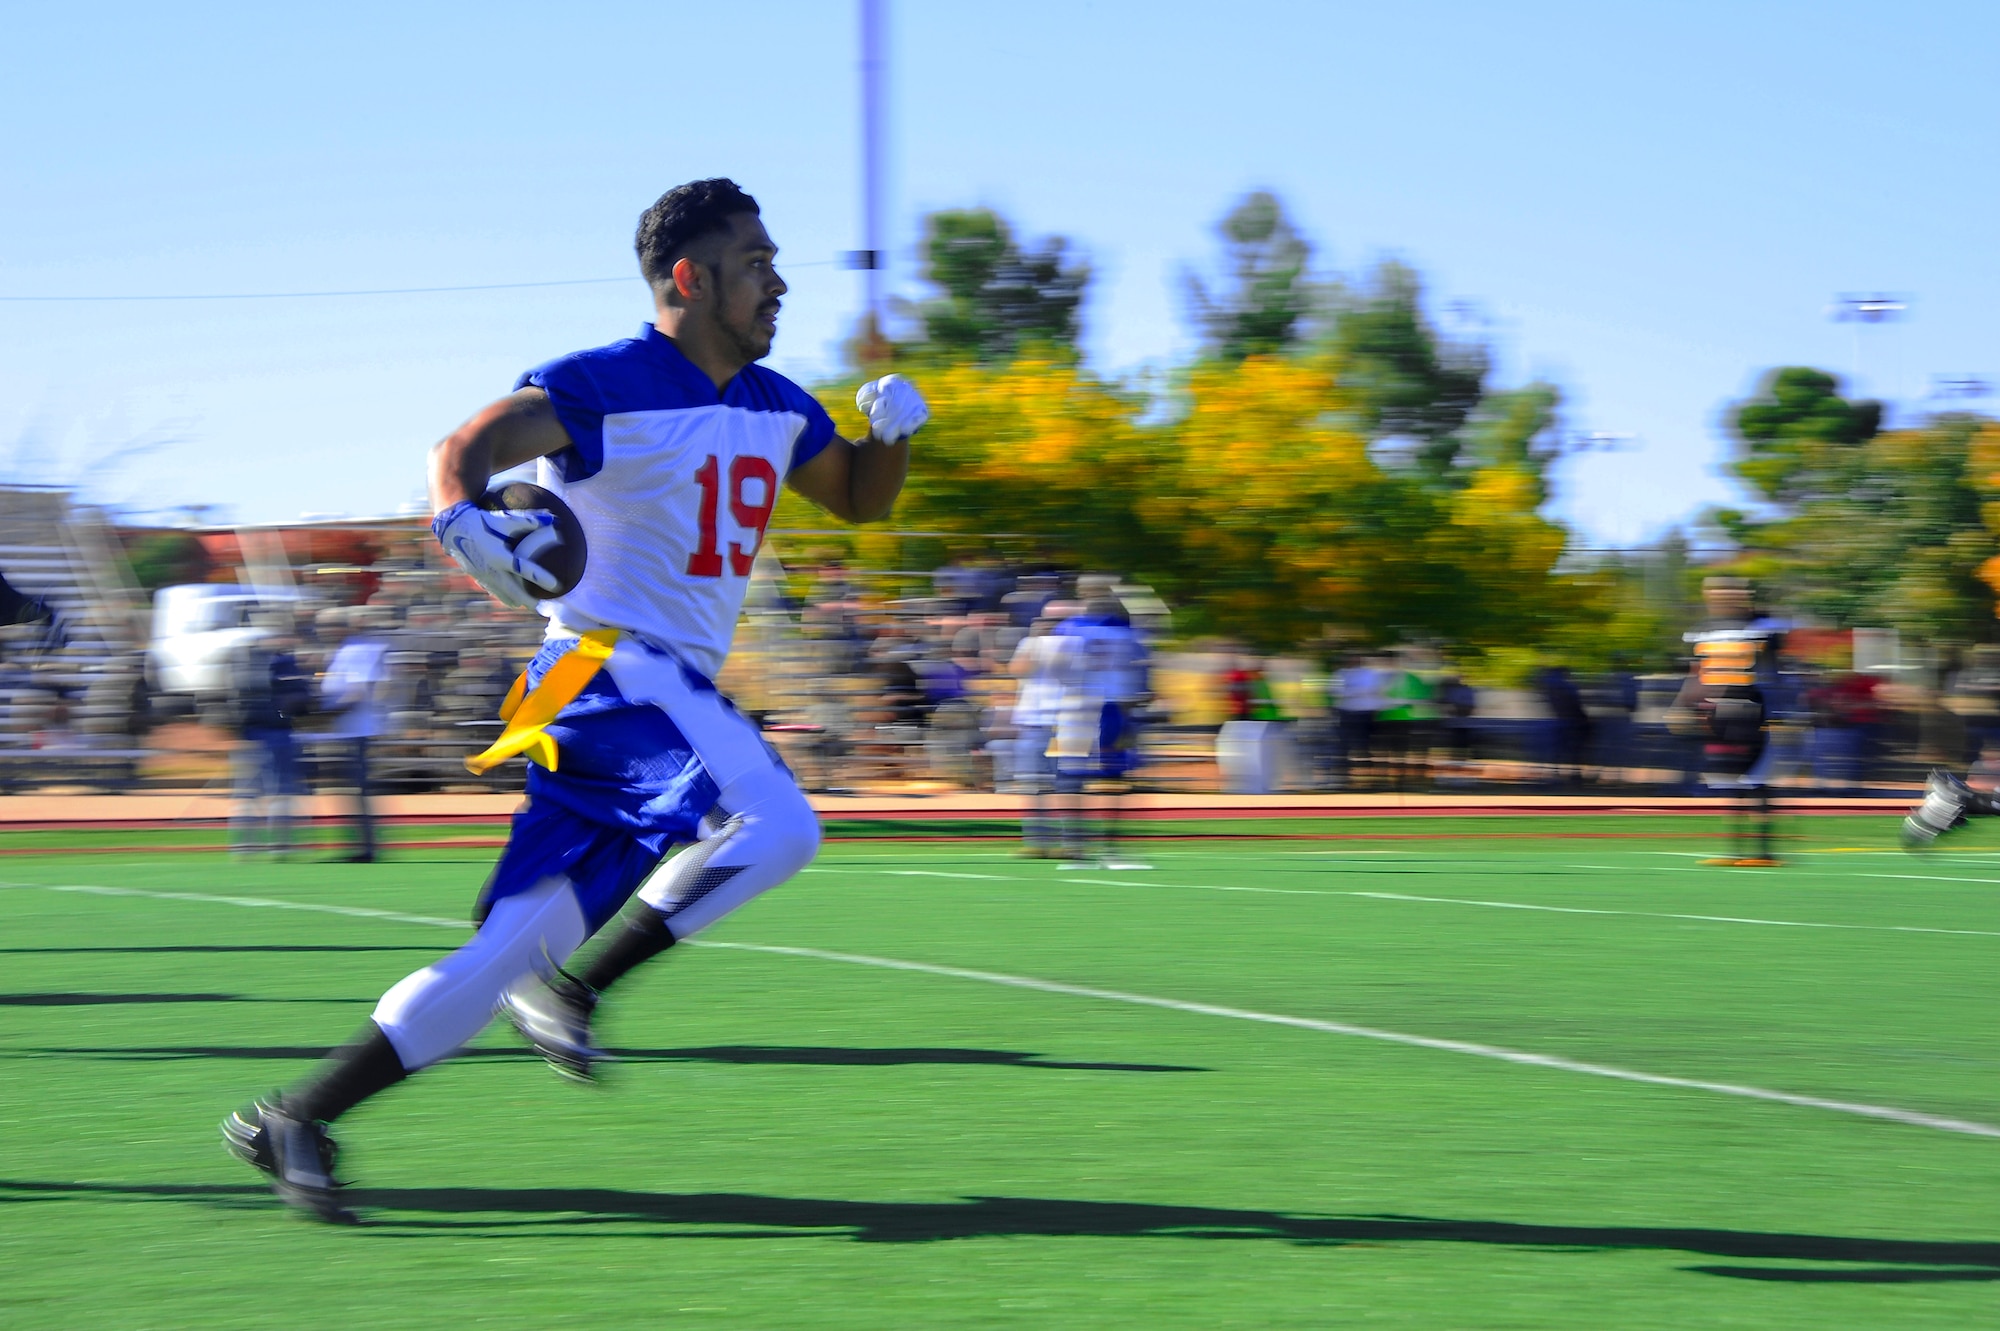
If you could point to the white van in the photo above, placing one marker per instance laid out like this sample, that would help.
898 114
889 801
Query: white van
197 626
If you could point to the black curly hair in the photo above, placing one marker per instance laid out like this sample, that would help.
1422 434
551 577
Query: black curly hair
683 216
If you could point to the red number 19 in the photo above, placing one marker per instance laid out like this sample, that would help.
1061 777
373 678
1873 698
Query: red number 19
706 559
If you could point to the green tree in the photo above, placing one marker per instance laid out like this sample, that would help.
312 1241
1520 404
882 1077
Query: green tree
996 296
1800 438
1862 526
1410 383
1265 295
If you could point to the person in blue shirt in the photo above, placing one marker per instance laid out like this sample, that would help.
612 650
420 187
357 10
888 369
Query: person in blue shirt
1104 684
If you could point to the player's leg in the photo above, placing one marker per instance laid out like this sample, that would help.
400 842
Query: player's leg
1948 804
246 774
422 1019
1068 802
1722 776
1760 850
284 760
1119 742
760 832
1032 776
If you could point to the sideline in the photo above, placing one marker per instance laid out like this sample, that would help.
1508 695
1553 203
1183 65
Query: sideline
1453 901
1911 1118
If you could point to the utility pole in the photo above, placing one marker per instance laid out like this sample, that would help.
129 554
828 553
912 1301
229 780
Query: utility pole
870 259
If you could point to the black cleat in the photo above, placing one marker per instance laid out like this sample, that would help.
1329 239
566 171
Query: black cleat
297 1156
1946 798
557 1023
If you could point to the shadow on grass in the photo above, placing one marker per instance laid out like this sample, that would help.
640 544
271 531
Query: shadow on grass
548 1212
100 1000
219 947
742 1054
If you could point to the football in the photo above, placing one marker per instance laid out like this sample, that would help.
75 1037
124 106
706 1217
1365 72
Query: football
566 558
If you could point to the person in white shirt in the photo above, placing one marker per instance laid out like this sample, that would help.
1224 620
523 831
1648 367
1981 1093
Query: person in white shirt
1362 694
352 688
1039 664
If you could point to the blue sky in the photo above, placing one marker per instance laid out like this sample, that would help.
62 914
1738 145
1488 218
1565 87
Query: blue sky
1651 204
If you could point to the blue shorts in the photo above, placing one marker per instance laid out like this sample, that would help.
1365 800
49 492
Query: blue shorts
1113 754
627 788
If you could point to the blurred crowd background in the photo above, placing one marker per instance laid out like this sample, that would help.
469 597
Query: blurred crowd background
1329 530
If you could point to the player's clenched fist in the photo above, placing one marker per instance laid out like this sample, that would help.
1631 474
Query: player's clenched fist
498 549
894 408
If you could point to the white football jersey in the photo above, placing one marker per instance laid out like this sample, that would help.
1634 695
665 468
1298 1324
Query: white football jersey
674 483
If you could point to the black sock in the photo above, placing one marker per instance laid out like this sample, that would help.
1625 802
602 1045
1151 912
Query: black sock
643 936
350 1074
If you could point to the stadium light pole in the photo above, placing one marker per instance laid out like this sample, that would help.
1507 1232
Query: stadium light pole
1871 309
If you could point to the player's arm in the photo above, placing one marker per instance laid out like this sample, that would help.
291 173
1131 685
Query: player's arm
860 482
498 549
854 482
518 428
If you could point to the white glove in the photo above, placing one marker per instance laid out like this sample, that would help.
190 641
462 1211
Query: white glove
894 408
498 549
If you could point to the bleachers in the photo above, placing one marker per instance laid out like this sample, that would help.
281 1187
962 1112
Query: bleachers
66 713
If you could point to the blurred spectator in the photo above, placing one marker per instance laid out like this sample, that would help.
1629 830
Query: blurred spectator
1456 703
1985 772
1610 704
1846 715
1568 724
356 680
267 693
1404 724
1104 685
1038 665
1030 598
1974 694
1359 700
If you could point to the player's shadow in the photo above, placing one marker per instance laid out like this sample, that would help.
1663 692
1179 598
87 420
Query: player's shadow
201 948
843 1056
742 1054
552 1212
169 1053
101 1000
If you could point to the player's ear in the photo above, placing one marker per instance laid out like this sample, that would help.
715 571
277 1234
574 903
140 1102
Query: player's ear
690 279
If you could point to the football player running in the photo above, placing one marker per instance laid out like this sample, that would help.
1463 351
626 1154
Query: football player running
669 447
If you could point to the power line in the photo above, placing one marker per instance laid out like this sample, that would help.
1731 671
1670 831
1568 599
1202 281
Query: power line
310 295
370 291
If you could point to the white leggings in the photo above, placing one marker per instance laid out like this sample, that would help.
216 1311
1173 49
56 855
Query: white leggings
430 1014
768 833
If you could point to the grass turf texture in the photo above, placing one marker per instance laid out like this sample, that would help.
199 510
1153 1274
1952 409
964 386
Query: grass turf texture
793 1141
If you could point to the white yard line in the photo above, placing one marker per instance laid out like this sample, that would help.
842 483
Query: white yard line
1933 878
1468 901
1498 1053
1669 915
362 912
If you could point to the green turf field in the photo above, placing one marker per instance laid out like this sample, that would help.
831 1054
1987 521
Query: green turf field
809 1138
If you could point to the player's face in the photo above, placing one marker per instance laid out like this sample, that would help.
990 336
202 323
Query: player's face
747 287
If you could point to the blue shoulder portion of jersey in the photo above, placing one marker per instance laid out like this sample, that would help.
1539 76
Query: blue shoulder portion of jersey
758 389
649 373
